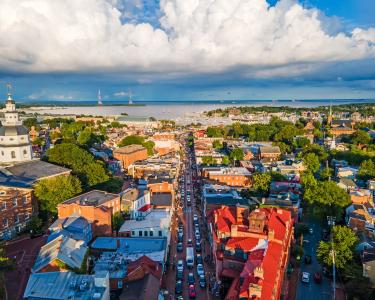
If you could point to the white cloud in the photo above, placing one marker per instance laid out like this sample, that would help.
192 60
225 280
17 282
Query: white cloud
195 36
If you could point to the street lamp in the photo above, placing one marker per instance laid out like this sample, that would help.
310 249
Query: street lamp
331 222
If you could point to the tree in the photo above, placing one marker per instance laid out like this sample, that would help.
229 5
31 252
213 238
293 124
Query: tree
149 145
52 191
317 150
31 122
87 138
261 181
326 173
236 154
214 132
225 160
132 140
89 171
367 170
311 161
113 185
208 160
301 142
361 138
308 180
343 244
217 144
117 221
34 225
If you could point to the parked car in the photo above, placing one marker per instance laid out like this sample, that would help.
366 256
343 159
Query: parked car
200 270
318 277
180 247
305 277
178 287
198 246
311 230
192 293
202 281
191 279
195 218
190 242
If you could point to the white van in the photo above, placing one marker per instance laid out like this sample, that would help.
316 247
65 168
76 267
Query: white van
190 257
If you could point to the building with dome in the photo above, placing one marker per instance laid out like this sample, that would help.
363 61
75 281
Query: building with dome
15 144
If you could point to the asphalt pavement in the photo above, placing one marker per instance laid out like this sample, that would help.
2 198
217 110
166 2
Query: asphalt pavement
313 290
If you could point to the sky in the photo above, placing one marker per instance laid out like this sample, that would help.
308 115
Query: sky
187 49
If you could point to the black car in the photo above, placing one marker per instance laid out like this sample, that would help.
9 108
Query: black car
199 259
180 238
202 281
178 288
198 247
308 259
179 275
180 247
191 279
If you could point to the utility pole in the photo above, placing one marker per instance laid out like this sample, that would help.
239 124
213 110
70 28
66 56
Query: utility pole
331 222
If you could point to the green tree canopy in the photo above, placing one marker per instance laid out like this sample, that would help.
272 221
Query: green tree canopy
29 122
82 163
236 154
225 160
261 181
52 191
208 160
214 132
343 244
117 221
301 142
361 137
367 170
326 173
87 138
217 144
132 140
317 150
149 145
308 180
311 162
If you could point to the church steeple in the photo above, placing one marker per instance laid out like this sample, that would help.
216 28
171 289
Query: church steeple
329 119
10 112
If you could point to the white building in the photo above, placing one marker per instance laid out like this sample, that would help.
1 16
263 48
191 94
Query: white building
15 144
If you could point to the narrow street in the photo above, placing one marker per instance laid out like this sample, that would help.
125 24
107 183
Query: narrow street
185 217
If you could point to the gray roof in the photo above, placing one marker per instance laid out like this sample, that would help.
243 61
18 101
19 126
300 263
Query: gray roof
92 198
13 130
161 199
228 201
63 286
69 251
27 173
131 245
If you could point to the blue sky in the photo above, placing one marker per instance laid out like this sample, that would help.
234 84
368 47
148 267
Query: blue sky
179 50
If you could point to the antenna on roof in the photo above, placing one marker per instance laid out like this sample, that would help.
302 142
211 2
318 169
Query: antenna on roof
100 102
130 97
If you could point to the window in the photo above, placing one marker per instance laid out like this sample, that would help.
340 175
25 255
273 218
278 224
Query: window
27 216
14 201
24 152
2 153
119 284
160 233
16 218
140 233
133 233
24 200
146 233
13 154
3 205
151 233
5 222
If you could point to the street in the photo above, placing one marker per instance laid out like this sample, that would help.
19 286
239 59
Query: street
313 290
185 217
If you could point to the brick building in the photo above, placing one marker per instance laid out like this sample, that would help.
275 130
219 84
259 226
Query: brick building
17 206
270 152
251 251
96 207
238 177
129 154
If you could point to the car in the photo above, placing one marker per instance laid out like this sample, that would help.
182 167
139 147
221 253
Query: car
190 242
308 259
305 277
179 275
188 202
199 259
311 230
178 287
200 270
197 236
180 238
318 277
191 279
198 246
180 265
195 218
192 293
202 281
179 298
196 226
180 247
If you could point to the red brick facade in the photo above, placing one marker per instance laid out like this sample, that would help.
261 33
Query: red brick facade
129 154
17 206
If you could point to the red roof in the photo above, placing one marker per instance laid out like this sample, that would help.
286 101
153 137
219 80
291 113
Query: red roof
145 208
245 243
226 216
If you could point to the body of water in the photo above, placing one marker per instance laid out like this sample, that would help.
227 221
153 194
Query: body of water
172 110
